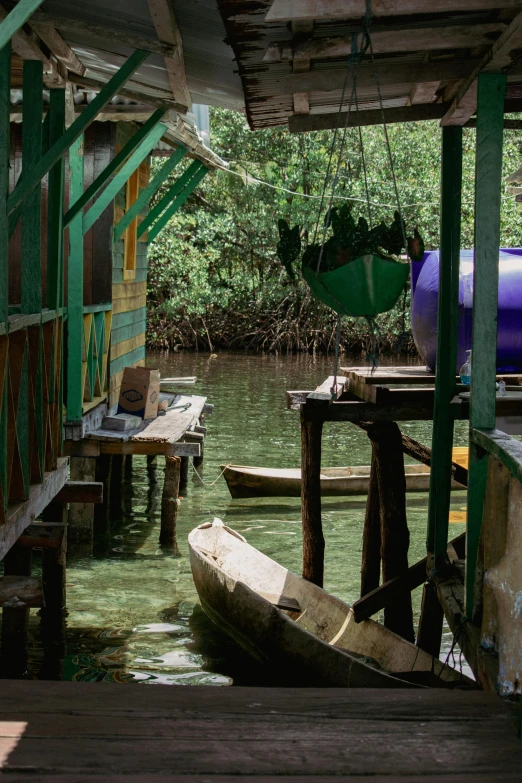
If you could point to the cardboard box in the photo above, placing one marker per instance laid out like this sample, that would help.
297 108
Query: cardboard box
139 392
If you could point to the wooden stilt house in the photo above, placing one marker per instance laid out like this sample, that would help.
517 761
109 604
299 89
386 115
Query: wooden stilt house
87 96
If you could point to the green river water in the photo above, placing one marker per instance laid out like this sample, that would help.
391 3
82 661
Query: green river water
133 613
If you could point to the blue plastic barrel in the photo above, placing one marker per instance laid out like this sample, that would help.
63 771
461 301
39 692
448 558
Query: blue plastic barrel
425 291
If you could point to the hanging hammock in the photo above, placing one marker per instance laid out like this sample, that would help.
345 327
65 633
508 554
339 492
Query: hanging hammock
369 284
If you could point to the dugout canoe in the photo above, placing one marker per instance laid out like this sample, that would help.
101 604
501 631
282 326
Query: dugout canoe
284 621
250 482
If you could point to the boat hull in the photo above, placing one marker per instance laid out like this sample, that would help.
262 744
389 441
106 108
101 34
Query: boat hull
276 638
251 482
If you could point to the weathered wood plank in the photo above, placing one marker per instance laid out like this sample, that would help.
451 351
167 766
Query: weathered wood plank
301 10
81 492
164 21
26 589
419 113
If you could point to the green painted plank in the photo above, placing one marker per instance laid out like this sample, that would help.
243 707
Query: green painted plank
16 19
118 260
56 189
97 308
117 275
31 241
488 190
75 289
141 275
59 148
119 180
5 94
176 204
114 165
171 194
447 332
137 355
146 195
126 332
130 317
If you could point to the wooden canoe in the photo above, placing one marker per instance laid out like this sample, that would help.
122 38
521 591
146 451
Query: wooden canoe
250 482
285 621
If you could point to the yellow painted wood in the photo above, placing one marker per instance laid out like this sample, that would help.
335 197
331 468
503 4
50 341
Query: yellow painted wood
131 303
127 289
127 346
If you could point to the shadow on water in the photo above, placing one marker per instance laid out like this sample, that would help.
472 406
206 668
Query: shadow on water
133 613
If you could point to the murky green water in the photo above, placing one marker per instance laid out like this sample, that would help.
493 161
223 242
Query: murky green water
133 613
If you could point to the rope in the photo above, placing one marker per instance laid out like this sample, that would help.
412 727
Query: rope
209 486
361 147
373 357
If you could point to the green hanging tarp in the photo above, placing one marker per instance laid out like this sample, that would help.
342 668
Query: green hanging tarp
365 287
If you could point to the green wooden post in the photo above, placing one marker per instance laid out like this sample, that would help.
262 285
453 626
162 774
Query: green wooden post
5 137
119 180
15 216
114 165
169 196
447 335
488 189
75 290
5 100
59 148
177 203
145 195
55 204
31 272
16 19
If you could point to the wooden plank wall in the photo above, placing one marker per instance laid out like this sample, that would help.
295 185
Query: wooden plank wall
100 142
129 291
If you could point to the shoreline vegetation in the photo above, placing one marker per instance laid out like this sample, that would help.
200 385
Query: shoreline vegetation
215 282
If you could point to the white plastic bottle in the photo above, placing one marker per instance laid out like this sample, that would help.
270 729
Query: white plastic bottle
465 370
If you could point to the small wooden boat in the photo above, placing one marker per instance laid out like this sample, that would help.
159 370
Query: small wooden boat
249 482
282 620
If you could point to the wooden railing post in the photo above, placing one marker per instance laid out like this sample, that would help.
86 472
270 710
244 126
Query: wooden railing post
488 188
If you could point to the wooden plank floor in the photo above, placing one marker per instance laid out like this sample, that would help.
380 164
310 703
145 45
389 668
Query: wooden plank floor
67 732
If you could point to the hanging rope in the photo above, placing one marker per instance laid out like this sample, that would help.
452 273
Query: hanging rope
213 483
336 359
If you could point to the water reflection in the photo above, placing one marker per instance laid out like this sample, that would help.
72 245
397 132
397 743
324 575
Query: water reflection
133 614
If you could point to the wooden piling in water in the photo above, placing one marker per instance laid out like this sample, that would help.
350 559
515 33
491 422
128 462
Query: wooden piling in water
395 537
15 616
371 546
169 503
313 538
81 515
184 474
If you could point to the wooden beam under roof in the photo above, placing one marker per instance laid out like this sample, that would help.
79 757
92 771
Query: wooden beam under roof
126 92
164 20
503 55
300 10
314 122
61 50
389 73
104 32
389 41
28 48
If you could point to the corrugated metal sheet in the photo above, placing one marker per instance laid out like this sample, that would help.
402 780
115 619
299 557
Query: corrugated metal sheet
208 60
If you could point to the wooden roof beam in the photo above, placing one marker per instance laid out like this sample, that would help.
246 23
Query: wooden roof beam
390 73
164 20
313 122
501 57
301 10
126 92
389 41
57 46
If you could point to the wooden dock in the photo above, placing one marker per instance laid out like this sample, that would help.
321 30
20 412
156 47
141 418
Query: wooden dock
64 732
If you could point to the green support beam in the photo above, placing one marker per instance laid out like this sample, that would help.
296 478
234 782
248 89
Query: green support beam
75 290
169 196
16 19
55 201
488 189
15 217
146 195
177 203
5 139
123 175
60 147
447 334
5 94
114 165
31 271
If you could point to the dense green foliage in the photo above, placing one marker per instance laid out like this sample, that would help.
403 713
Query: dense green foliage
214 276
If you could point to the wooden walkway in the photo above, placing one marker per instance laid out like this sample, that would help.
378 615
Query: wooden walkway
65 732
